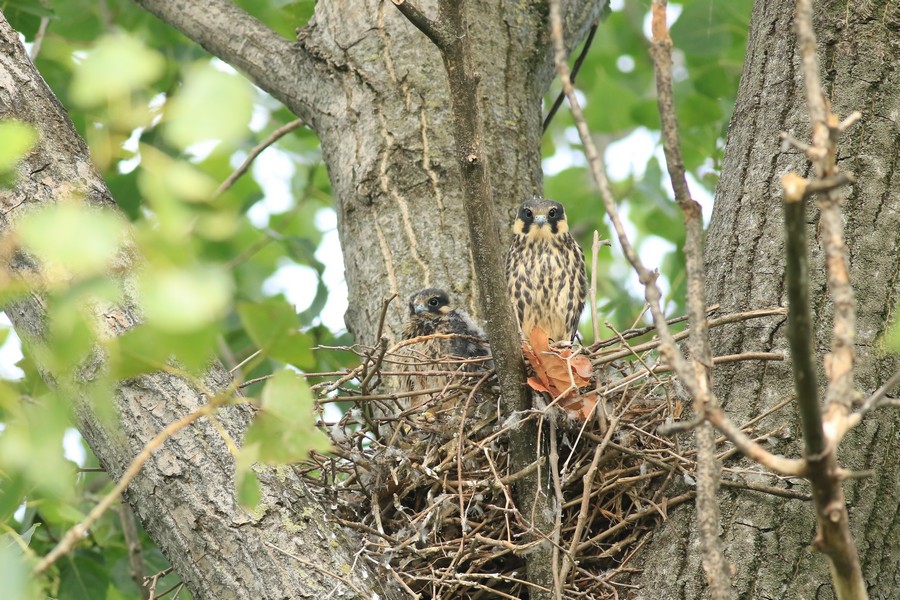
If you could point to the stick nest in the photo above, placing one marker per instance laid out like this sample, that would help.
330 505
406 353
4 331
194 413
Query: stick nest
423 478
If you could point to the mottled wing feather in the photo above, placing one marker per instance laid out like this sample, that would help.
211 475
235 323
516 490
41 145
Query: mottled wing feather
580 284
436 354
461 323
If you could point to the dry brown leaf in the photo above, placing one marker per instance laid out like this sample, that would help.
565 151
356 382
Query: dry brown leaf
582 406
560 373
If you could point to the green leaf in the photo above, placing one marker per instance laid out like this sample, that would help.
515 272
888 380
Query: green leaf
31 445
614 114
82 576
713 81
16 140
212 105
180 300
166 182
246 481
13 488
15 573
892 337
76 20
702 28
25 16
697 109
273 326
79 239
145 349
28 533
118 65
61 513
284 430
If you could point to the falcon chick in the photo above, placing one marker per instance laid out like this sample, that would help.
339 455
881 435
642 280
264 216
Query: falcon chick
430 313
545 271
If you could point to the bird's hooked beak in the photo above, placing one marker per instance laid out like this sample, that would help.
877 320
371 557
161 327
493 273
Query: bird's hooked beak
420 308
541 220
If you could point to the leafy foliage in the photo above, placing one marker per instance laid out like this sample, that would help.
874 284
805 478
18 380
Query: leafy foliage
166 125
618 83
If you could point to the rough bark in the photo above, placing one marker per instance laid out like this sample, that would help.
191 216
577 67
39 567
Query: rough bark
767 539
185 493
376 96
390 154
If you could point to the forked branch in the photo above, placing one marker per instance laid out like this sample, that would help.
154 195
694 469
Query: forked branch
833 537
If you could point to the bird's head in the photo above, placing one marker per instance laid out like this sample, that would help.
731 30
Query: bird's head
430 301
541 218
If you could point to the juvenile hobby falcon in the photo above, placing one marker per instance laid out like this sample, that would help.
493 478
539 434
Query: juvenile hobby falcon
545 271
430 313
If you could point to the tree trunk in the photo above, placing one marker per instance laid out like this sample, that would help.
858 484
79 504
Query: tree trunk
375 91
768 539
389 147
185 493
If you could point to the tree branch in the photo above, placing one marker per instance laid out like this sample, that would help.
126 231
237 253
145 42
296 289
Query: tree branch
277 65
708 468
488 258
825 129
171 494
256 151
833 536
575 68
437 32
800 326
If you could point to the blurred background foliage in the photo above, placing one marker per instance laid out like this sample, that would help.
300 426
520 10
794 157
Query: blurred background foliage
258 267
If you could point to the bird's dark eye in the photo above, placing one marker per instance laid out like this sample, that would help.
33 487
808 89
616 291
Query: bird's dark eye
433 302
528 213
552 213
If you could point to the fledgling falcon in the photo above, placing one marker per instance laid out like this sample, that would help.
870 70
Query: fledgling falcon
545 271
430 313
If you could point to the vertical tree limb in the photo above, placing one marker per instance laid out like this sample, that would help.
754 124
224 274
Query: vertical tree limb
800 326
708 468
449 33
823 152
833 536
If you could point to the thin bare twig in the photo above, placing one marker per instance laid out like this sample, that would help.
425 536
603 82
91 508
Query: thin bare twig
708 468
76 533
767 489
39 39
717 322
874 401
434 30
133 543
256 151
575 68
151 582
588 481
